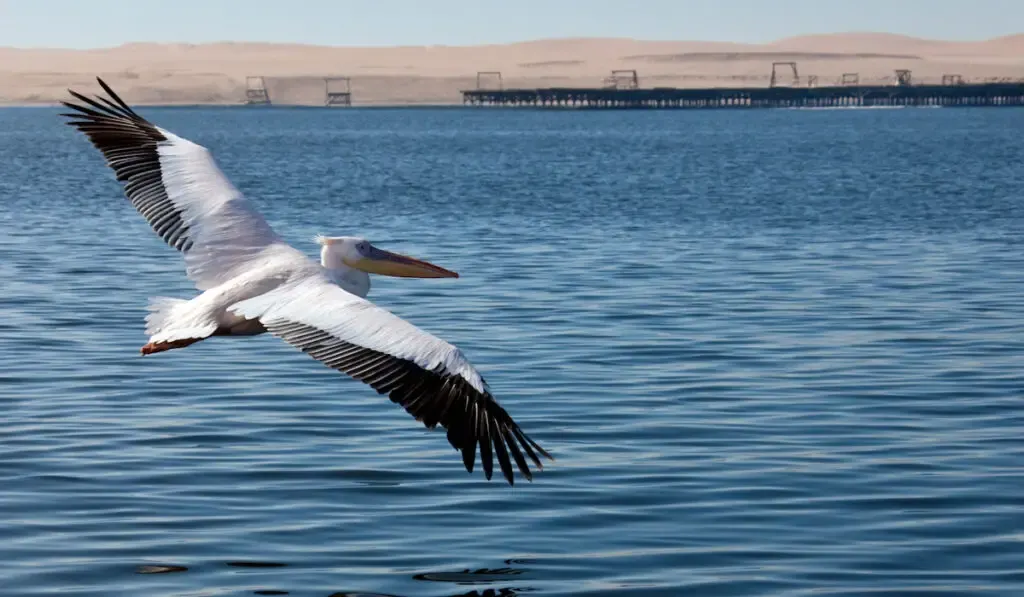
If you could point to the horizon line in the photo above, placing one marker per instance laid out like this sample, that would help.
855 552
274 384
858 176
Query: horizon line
519 42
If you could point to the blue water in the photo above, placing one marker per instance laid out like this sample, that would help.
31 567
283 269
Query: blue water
774 353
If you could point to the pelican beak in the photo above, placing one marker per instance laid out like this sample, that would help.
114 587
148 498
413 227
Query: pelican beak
386 263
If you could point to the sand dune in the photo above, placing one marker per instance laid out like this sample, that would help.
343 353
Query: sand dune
148 73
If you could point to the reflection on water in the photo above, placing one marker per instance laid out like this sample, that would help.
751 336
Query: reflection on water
156 569
483 576
256 565
482 593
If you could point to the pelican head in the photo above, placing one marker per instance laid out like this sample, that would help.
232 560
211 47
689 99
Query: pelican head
358 253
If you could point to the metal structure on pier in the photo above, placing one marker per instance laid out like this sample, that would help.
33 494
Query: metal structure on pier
774 81
622 79
847 92
337 91
256 91
483 75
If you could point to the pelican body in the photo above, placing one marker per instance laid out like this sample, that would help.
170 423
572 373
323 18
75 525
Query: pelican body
346 261
252 282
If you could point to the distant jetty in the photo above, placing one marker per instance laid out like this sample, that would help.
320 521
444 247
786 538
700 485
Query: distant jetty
622 91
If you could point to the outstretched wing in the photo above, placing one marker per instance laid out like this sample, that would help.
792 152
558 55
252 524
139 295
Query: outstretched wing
429 377
176 185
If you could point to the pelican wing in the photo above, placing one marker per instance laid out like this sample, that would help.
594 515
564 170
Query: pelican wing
429 377
177 187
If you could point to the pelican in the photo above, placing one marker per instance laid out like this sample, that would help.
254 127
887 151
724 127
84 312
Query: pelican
250 281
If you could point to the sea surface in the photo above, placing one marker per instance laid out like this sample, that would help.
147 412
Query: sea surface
774 353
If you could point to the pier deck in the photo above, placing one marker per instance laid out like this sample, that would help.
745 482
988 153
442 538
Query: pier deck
982 94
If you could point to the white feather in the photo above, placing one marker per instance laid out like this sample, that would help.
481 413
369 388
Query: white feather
228 235
317 302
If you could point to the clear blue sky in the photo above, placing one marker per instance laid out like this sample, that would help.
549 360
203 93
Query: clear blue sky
102 23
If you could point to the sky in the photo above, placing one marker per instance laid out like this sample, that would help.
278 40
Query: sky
106 23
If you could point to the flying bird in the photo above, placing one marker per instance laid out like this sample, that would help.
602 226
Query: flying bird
252 282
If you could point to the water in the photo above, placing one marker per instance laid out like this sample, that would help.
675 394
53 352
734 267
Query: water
774 353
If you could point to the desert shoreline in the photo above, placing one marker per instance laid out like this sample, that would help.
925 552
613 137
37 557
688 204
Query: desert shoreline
215 74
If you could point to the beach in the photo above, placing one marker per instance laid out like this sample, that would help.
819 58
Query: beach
215 74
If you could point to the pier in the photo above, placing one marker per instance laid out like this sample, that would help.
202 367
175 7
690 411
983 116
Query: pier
337 91
953 92
256 91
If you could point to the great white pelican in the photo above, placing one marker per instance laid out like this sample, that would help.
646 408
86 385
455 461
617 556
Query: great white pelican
251 281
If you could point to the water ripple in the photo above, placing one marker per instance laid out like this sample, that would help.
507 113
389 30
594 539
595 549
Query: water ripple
774 353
